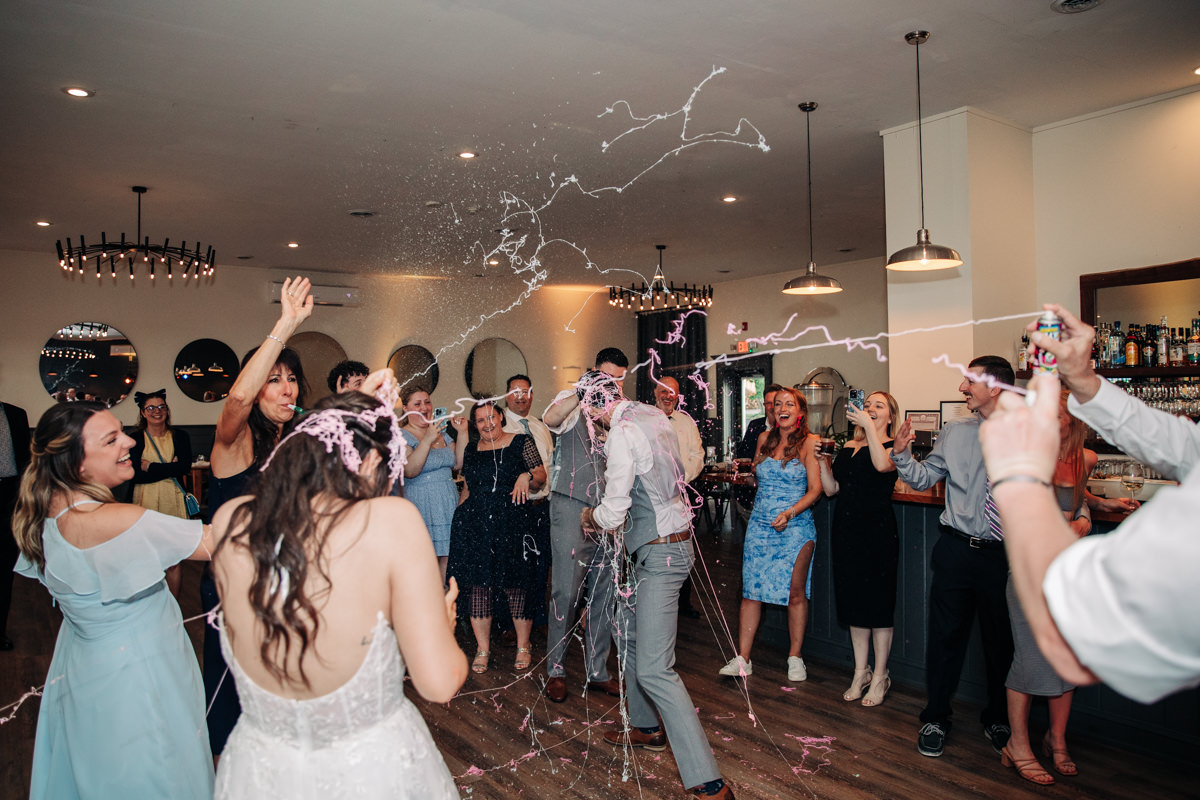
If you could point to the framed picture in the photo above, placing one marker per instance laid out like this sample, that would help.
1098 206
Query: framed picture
954 409
924 420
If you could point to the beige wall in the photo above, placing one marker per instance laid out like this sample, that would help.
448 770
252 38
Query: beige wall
159 319
1118 189
859 310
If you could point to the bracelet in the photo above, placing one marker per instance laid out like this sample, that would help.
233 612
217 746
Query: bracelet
1019 479
276 338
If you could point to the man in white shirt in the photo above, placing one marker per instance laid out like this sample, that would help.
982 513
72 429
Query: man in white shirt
1118 608
691 450
641 483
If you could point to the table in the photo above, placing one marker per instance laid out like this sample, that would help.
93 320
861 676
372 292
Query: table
721 487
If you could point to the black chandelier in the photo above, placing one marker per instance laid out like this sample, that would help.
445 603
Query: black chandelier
659 295
198 261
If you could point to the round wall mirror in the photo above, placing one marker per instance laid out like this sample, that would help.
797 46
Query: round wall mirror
491 363
414 367
88 361
205 369
319 354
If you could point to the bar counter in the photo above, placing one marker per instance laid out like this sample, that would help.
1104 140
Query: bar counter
1170 727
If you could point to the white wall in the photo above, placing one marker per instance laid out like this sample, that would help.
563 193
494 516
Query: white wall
859 310
1115 190
159 319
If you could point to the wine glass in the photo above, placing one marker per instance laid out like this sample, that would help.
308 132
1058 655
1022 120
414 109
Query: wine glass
1133 478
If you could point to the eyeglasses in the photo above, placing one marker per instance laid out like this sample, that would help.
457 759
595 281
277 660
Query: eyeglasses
155 409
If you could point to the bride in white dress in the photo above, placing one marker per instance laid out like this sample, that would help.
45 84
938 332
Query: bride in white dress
328 587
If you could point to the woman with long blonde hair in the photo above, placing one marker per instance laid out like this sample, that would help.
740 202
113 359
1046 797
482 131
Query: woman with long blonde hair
123 698
865 544
780 535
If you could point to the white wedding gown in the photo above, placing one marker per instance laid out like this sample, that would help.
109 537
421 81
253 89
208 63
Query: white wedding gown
363 740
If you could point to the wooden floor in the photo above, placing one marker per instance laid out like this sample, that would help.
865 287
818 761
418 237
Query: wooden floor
502 739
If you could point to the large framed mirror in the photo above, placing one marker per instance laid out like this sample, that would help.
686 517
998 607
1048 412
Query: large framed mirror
205 369
88 361
414 367
319 354
490 364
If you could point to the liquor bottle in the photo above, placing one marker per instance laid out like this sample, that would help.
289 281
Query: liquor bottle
1164 343
1023 353
1178 348
1100 346
1133 347
1150 347
1116 346
1193 344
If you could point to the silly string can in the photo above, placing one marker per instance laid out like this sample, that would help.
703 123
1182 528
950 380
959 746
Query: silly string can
1043 360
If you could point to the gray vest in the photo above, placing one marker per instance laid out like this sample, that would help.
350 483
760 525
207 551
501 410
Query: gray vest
578 465
664 475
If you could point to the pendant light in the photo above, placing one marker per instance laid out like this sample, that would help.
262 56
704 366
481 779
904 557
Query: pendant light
810 282
924 255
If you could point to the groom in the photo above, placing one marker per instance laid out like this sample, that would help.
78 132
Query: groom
642 479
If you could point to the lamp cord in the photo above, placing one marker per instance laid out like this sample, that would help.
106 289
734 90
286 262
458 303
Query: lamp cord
920 141
808 144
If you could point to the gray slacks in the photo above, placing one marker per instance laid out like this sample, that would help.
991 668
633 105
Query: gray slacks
649 624
578 561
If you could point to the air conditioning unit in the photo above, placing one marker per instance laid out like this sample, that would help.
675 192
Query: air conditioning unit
323 295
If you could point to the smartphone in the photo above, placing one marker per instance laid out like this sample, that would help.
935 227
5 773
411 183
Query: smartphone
439 412
857 398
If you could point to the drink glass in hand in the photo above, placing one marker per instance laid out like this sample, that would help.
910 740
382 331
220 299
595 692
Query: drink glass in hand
827 448
1133 478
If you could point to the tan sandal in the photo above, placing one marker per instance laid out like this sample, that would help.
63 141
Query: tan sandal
480 664
1063 764
858 685
879 689
1027 768
524 658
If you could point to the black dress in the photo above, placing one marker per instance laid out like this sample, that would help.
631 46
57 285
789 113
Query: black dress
493 541
865 547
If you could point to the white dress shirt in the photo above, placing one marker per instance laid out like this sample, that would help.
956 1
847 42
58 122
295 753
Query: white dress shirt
630 455
691 449
541 437
1126 602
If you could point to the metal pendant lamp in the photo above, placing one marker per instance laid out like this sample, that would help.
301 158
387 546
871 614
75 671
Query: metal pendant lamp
810 282
924 255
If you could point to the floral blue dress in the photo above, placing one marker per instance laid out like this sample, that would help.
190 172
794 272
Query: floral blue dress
770 555
433 492
122 715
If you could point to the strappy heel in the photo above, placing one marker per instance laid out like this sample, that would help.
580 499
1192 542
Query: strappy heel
858 685
524 658
879 689
1059 756
1027 768
480 664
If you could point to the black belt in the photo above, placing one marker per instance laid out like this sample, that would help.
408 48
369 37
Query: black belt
974 542
682 536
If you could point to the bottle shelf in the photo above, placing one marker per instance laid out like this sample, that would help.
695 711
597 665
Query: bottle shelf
1189 371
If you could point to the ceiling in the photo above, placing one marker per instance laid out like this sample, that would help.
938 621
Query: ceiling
259 123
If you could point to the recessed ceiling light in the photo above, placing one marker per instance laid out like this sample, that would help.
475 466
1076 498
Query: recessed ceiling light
362 213
466 154
77 91
845 249
293 244
41 223
729 199
724 271
244 258
493 261
1196 70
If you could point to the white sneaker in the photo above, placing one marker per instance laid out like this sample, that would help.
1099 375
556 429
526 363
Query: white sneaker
796 670
737 667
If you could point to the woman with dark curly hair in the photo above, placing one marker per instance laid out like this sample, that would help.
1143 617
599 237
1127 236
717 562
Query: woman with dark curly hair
260 402
780 535
123 698
329 589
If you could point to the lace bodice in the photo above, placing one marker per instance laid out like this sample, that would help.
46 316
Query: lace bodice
373 694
